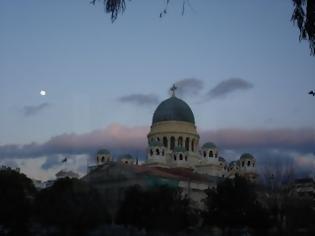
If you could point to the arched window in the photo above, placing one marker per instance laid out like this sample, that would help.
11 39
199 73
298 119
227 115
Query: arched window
172 143
211 154
151 152
243 163
103 158
204 153
157 152
180 141
165 143
163 152
248 163
193 145
187 144
174 157
181 157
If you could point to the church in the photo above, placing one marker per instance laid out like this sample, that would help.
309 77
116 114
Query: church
174 158
173 142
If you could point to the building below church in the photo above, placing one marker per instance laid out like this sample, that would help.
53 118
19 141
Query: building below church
174 158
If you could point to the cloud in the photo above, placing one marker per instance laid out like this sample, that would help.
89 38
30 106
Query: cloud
189 87
293 139
114 137
228 86
33 110
140 99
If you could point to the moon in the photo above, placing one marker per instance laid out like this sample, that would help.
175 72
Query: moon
42 92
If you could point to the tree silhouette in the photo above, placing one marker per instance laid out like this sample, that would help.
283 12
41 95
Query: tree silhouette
71 205
234 204
160 208
16 194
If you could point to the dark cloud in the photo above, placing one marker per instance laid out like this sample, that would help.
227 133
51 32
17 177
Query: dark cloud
189 87
292 139
115 137
228 86
33 110
140 99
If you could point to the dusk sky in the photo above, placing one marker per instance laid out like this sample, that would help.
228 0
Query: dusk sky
238 64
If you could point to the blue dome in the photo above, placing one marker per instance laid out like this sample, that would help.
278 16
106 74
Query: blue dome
209 145
173 109
247 156
103 151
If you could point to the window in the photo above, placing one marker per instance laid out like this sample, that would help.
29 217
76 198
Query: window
187 144
243 163
180 141
174 157
165 142
172 143
163 153
103 158
180 157
157 152
151 152
248 163
193 145
158 139
204 153
211 154
185 158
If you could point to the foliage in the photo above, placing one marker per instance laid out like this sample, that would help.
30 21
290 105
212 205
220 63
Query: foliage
234 204
16 194
113 7
160 208
304 16
71 204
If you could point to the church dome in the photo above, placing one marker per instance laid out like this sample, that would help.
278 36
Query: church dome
103 152
173 109
209 145
246 156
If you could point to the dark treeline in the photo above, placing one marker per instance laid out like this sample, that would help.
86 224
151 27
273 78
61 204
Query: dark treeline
72 207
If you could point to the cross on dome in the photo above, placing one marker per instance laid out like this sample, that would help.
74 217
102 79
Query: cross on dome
173 88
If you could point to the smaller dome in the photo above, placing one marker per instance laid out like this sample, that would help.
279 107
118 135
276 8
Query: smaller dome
179 149
209 145
103 151
247 156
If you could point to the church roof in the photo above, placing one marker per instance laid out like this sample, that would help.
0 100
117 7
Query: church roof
247 156
209 145
173 109
103 151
